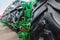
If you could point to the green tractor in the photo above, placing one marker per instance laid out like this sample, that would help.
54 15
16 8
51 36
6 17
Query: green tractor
35 19
20 18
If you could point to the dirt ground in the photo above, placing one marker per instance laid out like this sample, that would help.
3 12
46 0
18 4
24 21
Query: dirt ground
7 34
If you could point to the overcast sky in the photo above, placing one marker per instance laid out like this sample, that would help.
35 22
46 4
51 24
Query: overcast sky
4 4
